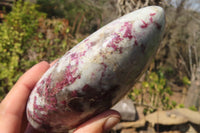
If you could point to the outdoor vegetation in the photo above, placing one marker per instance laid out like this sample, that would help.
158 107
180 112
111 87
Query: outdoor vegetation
45 30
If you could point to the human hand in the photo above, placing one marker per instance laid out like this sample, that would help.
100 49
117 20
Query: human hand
12 108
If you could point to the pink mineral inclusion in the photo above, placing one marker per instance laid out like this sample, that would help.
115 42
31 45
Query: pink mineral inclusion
76 56
113 44
85 88
38 120
36 106
145 24
63 102
74 93
128 32
151 19
152 14
117 38
69 78
136 42
70 71
39 108
89 45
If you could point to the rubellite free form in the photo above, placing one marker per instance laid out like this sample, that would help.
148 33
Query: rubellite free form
97 72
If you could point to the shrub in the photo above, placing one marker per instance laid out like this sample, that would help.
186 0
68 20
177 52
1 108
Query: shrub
52 41
27 37
154 93
19 27
83 15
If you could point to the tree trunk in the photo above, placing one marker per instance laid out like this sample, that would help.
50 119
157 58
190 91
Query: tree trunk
193 94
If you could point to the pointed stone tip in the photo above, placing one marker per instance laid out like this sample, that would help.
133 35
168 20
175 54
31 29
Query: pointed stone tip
159 16
160 13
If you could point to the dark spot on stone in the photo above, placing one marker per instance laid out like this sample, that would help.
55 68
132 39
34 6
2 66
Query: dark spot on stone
158 26
74 93
136 43
76 104
46 127
143 48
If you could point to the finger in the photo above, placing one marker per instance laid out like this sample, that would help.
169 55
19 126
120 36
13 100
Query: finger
101 123
16 99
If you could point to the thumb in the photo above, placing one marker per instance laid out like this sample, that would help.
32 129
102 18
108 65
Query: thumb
101 123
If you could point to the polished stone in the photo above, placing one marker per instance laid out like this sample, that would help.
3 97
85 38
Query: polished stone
97 72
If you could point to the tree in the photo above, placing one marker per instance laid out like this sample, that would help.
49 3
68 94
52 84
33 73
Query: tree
126 6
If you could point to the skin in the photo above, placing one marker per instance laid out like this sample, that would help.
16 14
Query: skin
12 108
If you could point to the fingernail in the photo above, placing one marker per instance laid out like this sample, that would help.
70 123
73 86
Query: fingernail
111 122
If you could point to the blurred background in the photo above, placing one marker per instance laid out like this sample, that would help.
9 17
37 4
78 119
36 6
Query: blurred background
166 98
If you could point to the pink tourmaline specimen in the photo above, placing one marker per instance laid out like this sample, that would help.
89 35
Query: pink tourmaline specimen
97 72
